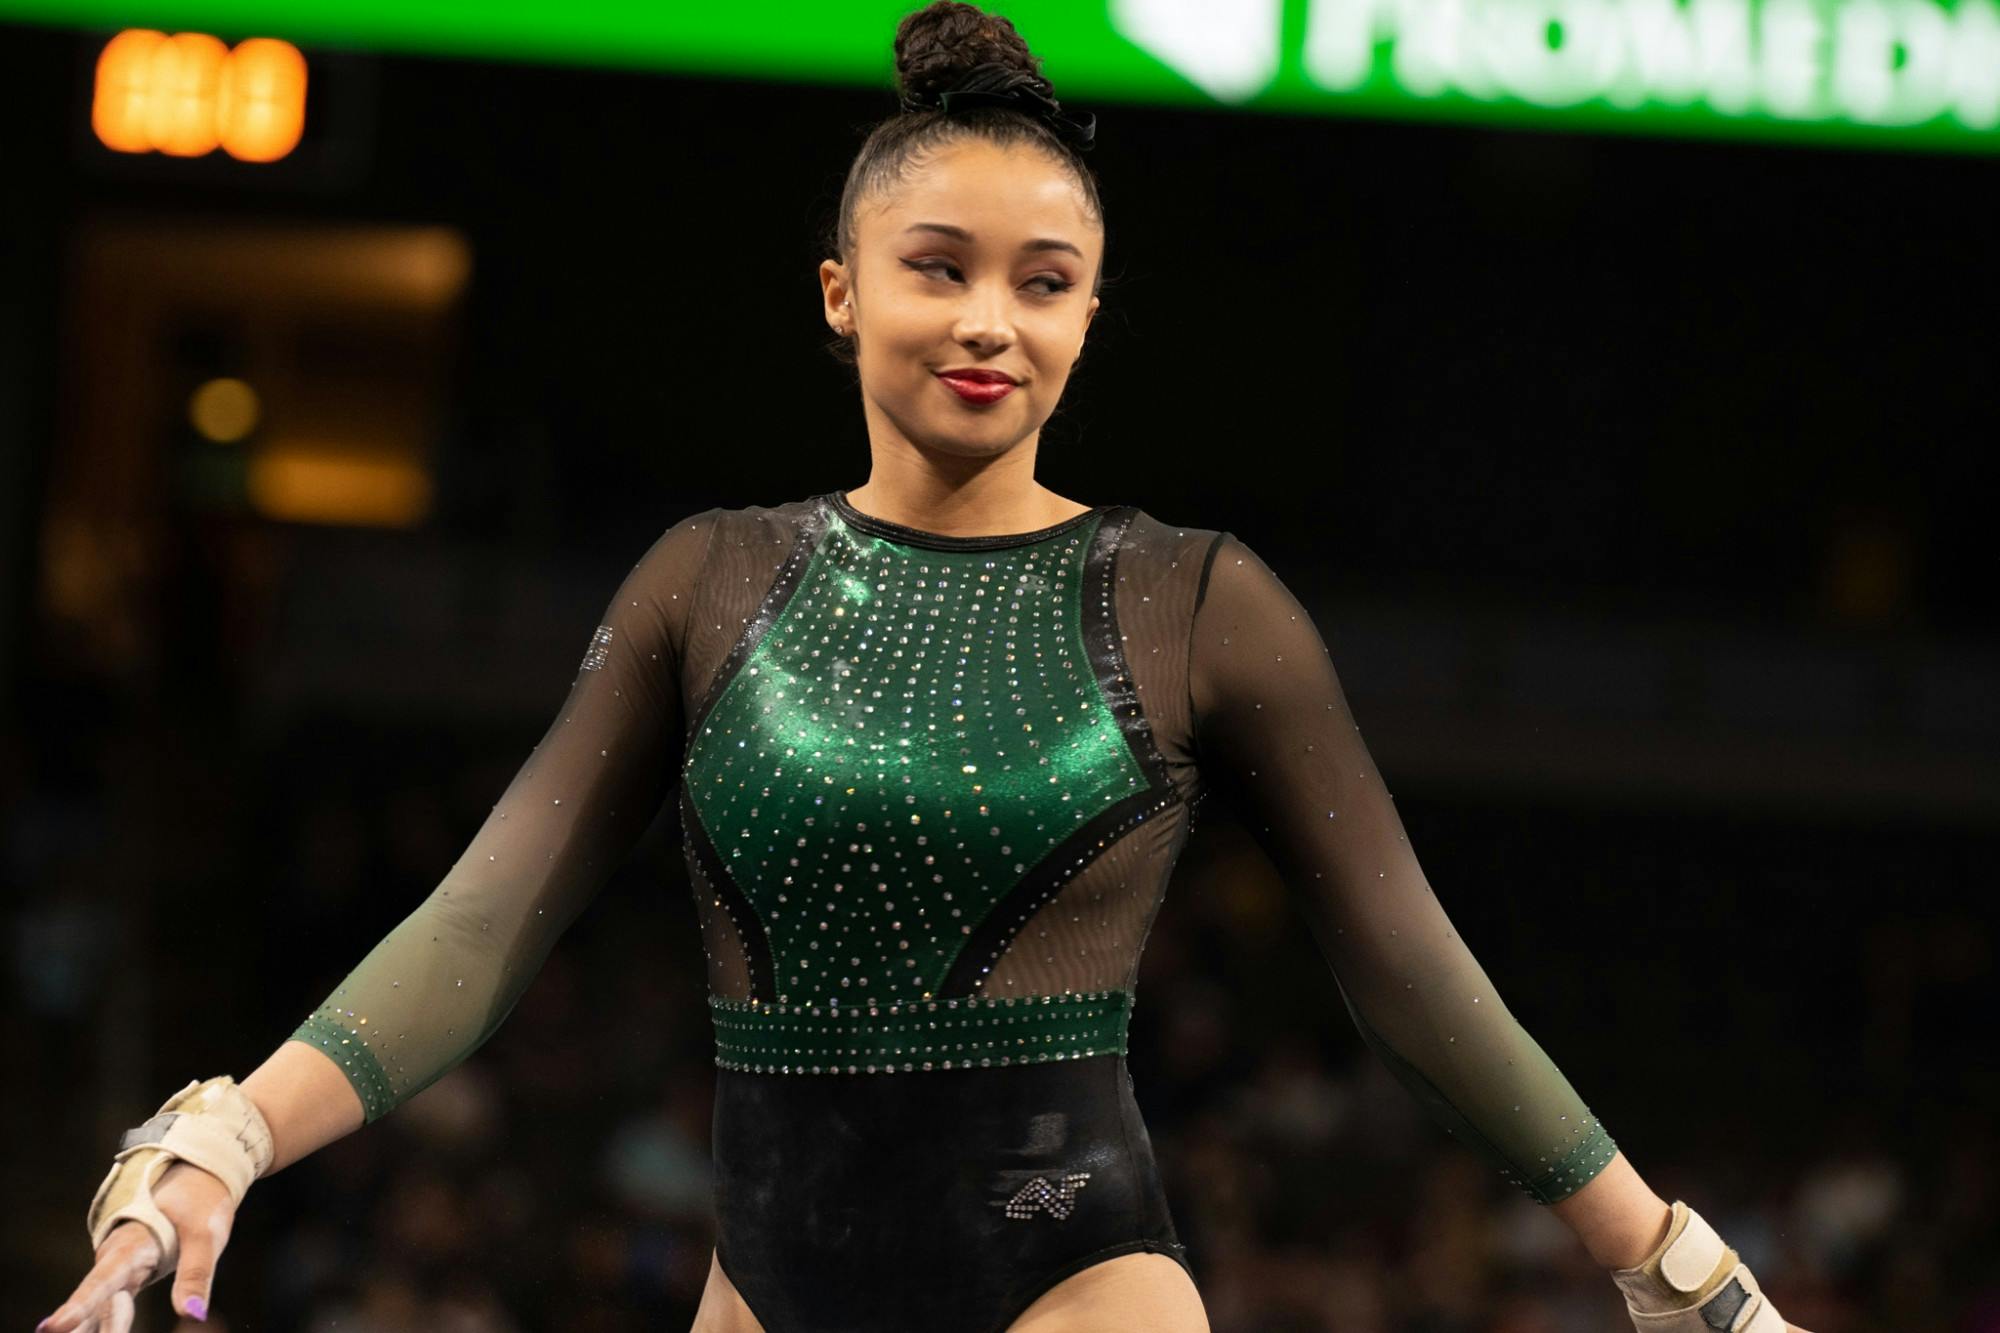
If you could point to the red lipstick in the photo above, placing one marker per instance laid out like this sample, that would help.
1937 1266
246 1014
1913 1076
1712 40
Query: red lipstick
978 386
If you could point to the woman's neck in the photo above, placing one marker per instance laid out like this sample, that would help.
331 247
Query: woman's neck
981 511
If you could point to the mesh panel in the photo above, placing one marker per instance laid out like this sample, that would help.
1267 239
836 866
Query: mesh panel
749 552
721 939
1089 936
1158 579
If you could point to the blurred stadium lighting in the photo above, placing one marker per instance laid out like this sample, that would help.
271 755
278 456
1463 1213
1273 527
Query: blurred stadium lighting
188 94
224 410
301 481
1899 74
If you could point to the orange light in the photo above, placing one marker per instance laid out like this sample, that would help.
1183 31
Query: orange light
124 84
261 108
187 94
224 410
301 481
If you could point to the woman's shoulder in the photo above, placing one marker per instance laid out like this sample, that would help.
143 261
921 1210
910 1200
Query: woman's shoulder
1150 537
742 523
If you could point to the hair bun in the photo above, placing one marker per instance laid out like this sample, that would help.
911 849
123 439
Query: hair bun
940 44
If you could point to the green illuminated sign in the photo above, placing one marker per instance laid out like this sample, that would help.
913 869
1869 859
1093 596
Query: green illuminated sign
1891 73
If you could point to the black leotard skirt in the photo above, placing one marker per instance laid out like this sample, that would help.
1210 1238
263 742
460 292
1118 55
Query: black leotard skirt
937 1201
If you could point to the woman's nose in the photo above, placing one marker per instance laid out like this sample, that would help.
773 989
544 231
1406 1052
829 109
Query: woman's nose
984 318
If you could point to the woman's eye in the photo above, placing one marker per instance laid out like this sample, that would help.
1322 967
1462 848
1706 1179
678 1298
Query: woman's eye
1055 288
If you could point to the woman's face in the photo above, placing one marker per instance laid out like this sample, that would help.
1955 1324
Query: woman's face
982 260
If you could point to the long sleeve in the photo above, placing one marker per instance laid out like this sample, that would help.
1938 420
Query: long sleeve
439 984
1273 731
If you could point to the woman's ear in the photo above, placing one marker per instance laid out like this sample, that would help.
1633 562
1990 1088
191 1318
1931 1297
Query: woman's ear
1088 315
836 296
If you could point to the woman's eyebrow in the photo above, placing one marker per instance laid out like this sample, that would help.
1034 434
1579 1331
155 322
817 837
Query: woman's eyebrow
961 234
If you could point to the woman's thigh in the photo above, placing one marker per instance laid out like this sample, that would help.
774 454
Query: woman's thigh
722 1308
1143 1290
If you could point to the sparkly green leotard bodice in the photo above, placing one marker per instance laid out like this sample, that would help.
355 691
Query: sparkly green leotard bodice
899 759
932 790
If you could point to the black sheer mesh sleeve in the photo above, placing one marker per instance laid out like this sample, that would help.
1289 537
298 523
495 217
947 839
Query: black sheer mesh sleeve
438 984
1273 733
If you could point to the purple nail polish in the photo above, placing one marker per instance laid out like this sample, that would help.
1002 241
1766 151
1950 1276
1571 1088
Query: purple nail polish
197 1308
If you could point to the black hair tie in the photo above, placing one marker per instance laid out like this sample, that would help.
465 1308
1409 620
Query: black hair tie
993 83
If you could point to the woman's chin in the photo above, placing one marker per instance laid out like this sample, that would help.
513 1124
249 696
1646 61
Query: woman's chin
963 440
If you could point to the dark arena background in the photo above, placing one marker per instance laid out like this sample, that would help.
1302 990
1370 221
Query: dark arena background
1639 482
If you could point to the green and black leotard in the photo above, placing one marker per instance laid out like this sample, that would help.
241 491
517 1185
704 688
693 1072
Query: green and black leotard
932 789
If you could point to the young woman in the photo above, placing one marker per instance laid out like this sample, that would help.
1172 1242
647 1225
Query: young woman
936 743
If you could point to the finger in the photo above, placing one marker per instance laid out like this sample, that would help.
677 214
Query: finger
120 1318
201 1246
125 1263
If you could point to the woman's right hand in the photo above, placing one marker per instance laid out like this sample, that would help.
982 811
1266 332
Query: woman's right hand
199 1207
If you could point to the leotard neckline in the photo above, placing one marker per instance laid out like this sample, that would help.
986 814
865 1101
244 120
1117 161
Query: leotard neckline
937 541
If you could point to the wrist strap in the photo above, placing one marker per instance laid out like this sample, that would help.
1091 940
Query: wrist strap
210 1124
1693 1283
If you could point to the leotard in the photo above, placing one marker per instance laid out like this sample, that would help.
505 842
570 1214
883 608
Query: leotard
932 789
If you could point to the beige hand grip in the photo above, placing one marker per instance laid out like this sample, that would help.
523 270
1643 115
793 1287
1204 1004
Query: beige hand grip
210 1124
1693 1283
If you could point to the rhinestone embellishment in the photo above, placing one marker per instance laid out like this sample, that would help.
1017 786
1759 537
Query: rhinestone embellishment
600 648
1038 1196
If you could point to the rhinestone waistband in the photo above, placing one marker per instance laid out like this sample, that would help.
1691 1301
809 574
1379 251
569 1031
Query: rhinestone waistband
916 1035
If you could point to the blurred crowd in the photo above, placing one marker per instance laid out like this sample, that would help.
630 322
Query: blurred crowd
1791 1041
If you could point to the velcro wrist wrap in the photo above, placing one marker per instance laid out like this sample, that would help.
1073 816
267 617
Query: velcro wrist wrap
210 1124
1693 1283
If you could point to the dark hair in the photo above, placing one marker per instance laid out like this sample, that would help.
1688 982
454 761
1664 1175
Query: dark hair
935 46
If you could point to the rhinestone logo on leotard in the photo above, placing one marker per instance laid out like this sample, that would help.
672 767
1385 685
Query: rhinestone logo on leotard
600 649
1038 1195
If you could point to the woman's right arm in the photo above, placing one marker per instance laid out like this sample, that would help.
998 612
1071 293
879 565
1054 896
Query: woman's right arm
306 1101
441 981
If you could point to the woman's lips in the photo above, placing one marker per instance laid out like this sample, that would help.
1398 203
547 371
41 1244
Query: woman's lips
977 390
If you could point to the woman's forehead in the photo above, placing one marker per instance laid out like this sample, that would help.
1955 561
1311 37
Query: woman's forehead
997 194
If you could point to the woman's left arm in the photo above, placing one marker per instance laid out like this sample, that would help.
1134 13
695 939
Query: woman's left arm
1625 1227
1272 727
1617 1211
1617 1217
